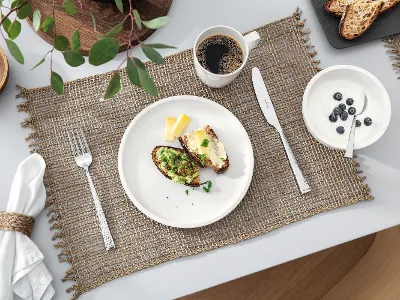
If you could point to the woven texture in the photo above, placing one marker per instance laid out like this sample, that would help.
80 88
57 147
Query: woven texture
393 42
106 15
273 200
16 222
4 72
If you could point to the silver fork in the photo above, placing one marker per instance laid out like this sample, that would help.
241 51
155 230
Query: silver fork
83 159
352 135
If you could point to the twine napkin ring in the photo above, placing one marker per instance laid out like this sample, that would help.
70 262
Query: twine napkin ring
16 222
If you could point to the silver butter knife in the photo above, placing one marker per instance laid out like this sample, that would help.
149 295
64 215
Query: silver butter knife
270 115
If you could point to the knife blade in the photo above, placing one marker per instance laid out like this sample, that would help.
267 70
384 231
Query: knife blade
264 100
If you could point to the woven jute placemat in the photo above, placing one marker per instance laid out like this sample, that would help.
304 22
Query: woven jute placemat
286 61
393 42
106 15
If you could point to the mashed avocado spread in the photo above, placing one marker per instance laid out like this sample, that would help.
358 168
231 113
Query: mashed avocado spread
177 165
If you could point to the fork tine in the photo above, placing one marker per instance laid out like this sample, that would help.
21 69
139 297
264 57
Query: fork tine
76 143
85 144
79 137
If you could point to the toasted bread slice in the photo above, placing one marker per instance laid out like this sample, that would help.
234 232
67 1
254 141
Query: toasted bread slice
357 18
388 4
337 7
215 157
183 165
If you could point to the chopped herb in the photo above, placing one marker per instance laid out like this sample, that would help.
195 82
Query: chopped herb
202 159
204 143
209 185
223 159
187 192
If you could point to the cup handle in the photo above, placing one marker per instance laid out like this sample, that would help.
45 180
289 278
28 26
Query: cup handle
252 40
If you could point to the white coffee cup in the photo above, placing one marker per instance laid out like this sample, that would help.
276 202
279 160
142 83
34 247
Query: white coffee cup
247 43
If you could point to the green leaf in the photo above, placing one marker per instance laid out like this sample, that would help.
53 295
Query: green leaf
113 87
147 82
152 54
15 52
119 5
76 41
74 59
38 64
6 24
160 46
57 83
36 20
24 11
93 22
138 20
69 7
103 51
48 24
14 29
16 3
133 74
114 31
61 43
157 22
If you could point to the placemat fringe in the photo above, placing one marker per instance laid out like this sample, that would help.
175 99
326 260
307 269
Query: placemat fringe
393 42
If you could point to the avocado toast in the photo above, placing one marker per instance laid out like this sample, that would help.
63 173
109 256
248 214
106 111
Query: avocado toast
176 165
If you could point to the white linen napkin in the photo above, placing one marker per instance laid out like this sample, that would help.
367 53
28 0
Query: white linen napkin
22 270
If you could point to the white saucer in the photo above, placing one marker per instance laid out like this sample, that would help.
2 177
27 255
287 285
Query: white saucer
352 82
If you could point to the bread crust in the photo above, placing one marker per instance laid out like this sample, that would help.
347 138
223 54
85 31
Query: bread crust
194 183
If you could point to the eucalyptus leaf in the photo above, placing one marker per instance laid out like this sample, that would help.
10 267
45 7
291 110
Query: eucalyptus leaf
57 83
119 5
48 24
76 41
114 31
94 23
6 24
160 46
74 59
147 82
36 20
133 73
152 54
103 51
61 43
157 22
113 86
14 30
17 3
139 63
69 7
24 11
15 52
138 20
38 64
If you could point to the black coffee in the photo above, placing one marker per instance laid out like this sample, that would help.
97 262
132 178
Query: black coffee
220 54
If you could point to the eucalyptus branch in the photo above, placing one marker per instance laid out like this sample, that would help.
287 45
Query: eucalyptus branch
12 10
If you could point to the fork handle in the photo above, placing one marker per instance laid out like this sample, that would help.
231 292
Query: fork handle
105 230
298 174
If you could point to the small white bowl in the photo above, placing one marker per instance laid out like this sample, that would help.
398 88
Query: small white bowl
352 82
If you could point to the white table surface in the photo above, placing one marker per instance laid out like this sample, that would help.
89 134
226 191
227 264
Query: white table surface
380 162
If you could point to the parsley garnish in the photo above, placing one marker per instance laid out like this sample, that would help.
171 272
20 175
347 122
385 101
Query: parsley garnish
202 159
209 185
223 159
187 192
204 143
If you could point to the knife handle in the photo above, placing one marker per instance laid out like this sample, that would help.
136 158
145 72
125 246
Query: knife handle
301 181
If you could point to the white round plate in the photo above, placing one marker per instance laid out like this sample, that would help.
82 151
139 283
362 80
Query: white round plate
165 201
352 82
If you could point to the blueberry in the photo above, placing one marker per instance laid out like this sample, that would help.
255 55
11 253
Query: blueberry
352 110
342 106
338 96
332 117
344 115
340 130
337 111
349 101
358 123
368 121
